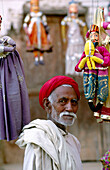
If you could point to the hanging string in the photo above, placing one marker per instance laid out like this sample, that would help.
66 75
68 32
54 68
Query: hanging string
92 12
97 4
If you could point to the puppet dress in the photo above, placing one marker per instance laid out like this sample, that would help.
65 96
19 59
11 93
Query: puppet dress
37 34
14 102
106 107
75 48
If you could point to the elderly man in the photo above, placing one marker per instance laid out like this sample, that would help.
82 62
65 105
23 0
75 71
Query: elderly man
48 145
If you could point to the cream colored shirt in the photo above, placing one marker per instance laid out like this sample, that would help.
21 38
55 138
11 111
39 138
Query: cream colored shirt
49 148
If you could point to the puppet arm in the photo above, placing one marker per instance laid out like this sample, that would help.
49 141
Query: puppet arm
106 25
44 21
63 31
77 66
26 22
104 52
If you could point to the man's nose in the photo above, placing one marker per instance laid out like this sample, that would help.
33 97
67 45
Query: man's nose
69 107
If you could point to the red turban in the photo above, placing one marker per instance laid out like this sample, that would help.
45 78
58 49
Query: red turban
53 83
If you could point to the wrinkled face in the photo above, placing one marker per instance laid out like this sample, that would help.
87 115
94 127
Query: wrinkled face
64 106
94 37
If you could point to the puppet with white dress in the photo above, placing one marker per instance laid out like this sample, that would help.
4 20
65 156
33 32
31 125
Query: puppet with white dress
37 31
75 41
14 101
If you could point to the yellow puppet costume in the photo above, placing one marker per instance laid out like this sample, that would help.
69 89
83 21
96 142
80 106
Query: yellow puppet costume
90 58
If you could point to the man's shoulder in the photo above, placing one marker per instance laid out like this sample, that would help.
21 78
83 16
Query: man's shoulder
36 131
75 141
41 127
36 122
74 138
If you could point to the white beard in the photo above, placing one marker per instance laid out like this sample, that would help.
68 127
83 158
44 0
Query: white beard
64 118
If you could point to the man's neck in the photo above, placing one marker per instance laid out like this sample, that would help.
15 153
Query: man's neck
59 125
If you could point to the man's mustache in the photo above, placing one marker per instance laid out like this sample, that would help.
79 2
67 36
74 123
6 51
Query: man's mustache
68 114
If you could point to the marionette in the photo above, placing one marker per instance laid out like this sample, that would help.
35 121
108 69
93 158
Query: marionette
14 102
75 41
104 39
37 31
95 76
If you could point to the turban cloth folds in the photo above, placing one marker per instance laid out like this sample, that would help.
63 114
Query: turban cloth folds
53 83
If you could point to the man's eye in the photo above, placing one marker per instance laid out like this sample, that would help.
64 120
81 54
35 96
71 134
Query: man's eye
74 102
62 101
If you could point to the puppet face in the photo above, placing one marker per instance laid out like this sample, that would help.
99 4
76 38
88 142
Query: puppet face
65 106
73 10
34 6
94 37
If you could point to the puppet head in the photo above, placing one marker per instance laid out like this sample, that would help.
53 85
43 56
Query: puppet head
73 9
34 6
93 34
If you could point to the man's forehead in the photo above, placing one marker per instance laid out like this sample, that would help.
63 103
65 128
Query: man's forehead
64 90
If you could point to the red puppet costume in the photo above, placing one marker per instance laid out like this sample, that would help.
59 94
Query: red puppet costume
35 26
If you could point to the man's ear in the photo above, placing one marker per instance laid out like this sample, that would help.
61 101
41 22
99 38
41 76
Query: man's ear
47 105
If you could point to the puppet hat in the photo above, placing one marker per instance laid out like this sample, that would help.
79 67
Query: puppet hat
93 28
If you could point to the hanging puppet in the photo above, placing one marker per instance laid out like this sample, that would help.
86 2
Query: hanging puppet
104 39
75 42
14 102
37 31
95 64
